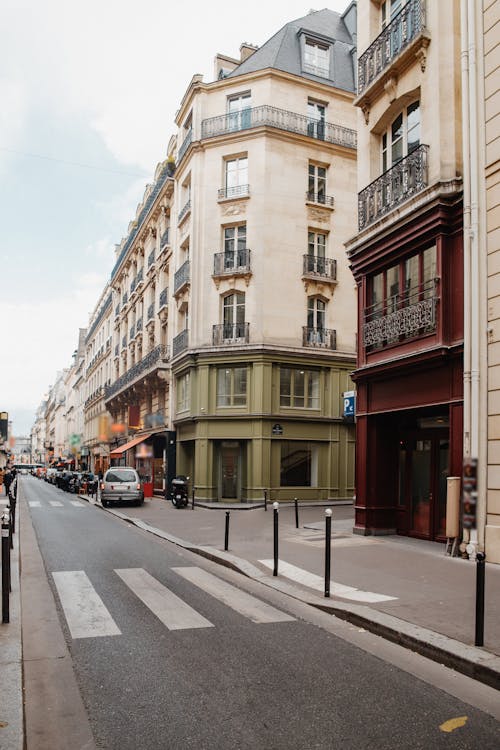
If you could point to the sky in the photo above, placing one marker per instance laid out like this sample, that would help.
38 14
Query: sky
88 96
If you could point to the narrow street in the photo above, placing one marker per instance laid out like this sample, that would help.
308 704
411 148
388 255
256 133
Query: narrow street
172 651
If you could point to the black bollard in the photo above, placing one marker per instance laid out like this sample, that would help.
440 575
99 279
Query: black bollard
296 513
226 534
480 574
328 550
265 499
13 504
192 499
275 524
5 570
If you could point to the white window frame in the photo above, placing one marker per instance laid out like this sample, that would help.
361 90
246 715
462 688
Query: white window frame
387 141
316 60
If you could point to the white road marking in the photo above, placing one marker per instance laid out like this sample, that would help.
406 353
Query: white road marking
313 581
169 608
247 605
76 503
86 615
56 503
34 503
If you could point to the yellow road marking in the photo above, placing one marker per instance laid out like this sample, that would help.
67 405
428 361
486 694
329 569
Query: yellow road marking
452 724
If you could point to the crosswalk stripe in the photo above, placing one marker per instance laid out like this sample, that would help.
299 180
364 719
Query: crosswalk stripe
56 503
86 615
76 504
169 608
34 503
246 604
313 581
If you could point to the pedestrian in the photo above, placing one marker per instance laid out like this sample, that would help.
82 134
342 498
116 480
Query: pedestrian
1 476
7 480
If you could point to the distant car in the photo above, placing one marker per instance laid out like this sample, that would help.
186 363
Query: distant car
121 484
50 475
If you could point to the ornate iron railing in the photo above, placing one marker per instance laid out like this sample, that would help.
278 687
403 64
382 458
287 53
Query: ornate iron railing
163 298
325 200
181 276
180 342
184 211
151 258
185 145
151 311
154 358
238 191
230 333
282 119
320 338
406 178
401 316
409 22
313 265
232 262
165 238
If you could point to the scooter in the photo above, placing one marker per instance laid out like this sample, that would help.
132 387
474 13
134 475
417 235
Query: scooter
179 491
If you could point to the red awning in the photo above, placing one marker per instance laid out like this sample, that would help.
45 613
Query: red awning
117 452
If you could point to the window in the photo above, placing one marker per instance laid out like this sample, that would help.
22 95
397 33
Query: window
238 111
231 386
236 178
298 464
183 392
299 388
234 315
316 313
389 10
316 114
235 244
316 185
316 252
405 283
402 137
317 58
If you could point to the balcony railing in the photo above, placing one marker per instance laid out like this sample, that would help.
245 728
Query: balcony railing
320 338
154 358
165 238
282 119
313 265
409 22
180 342
325 200
401 317
151 258
138 325
163 298
231 333
181 276
406 178
232 262
185 145
184 211
238 191
151 311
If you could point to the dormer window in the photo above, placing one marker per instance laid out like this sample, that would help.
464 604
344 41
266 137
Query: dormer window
316 58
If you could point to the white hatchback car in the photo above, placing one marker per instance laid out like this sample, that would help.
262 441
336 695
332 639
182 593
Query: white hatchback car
121 484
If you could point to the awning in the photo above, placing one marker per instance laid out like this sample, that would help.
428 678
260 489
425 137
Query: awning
117 452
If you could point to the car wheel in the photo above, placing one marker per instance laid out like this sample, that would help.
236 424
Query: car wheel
174 502
139 502
105 503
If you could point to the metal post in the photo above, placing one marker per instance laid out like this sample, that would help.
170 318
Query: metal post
480 574
226 535
5 569
192 498
265 500
328 550
275 524
296 513
13 504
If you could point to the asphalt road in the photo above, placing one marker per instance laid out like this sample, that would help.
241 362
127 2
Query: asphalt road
232 683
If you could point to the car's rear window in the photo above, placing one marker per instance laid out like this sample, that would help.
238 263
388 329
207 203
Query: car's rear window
120 475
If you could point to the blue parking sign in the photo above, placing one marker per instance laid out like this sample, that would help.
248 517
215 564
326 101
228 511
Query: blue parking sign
349 401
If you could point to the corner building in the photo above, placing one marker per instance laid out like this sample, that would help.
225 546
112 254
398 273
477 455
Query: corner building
407 259
263 311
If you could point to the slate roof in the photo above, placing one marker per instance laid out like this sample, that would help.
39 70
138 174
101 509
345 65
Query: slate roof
282 51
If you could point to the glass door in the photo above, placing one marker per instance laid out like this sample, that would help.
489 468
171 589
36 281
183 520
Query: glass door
230 465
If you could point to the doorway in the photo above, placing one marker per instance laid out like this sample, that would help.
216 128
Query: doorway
230 469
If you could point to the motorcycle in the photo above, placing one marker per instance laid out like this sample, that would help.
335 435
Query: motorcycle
179 491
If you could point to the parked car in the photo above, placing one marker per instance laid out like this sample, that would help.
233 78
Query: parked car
121 484
74 482
50 475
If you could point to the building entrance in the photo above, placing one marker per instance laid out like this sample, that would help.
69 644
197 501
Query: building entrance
230 469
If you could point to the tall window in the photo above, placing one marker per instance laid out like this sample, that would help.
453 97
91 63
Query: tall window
231 386
236 176
404 284
316 313
235 243
389 9
238 111
316 252
234 315
317 58
402 137
299 388
316 114
183 393
316 185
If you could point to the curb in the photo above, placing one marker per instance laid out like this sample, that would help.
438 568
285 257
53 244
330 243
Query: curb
471 661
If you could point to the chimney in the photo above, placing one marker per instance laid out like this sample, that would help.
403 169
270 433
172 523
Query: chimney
246 50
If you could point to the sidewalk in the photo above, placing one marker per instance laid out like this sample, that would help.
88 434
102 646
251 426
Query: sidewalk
403 589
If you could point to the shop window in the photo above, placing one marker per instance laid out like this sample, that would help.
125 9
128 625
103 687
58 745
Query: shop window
299 388
183 393
231 386
298 464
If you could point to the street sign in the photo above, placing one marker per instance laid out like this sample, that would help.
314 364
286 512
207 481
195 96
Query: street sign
349 405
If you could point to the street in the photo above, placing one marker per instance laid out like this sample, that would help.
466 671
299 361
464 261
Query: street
171 651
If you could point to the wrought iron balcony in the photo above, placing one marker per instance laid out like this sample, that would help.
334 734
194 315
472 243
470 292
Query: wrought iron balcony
124 342
165 238
138 325
230 333
409 22
401 317
320 338
185 145
326 268
151 311
163 298
181 276
325 200
180 342
184 211
238 191
405 179
132 333
151 258
282 119
232 262
152 360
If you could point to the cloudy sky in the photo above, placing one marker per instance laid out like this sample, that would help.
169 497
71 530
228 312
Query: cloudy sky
89 92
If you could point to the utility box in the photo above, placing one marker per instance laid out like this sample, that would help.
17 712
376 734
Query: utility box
453 507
